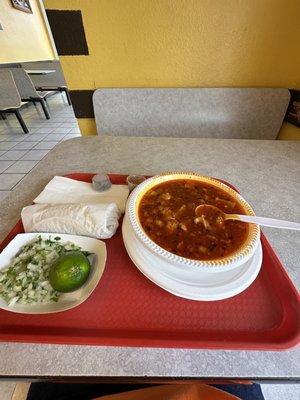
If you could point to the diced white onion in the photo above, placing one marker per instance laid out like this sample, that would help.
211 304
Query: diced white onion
25 279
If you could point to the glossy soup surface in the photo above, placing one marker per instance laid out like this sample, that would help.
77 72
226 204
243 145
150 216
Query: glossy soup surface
169 216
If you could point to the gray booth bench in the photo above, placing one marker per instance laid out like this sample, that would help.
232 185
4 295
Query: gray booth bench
233 113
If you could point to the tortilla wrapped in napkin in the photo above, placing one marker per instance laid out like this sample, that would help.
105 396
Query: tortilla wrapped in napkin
99 221
61 190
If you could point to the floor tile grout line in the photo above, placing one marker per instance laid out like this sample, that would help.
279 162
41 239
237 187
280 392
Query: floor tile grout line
3 172
18 182
26 173
19 172
26 150
16 173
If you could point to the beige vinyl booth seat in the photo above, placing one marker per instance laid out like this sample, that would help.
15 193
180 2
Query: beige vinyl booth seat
232 113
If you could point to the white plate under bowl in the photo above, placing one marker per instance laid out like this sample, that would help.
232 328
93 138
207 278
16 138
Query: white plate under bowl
66 300
204 287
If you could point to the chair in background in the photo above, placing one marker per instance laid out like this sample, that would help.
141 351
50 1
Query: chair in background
10 101
54 81
27 90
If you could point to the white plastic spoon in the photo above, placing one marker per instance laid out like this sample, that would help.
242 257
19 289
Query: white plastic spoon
206 209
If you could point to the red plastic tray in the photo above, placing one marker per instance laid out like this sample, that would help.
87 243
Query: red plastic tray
126 309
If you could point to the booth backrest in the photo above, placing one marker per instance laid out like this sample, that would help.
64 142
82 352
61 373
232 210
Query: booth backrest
236 113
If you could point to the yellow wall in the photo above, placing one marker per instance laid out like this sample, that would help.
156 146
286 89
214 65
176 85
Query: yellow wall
24 36
289 132
185 43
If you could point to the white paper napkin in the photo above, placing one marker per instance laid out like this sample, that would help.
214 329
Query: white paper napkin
95 220
62 190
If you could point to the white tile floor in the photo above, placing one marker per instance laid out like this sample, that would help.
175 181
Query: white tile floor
20 152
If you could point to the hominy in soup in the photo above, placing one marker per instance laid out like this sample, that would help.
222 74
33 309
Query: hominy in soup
169 216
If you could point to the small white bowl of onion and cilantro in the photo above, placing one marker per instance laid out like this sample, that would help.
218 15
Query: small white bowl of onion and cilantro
25 265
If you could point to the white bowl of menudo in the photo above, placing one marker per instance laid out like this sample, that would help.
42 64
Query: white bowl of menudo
161 211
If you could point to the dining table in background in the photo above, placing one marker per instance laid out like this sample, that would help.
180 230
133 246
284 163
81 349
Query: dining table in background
40 71
266 172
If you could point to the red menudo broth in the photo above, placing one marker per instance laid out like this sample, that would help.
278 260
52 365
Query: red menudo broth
168 215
